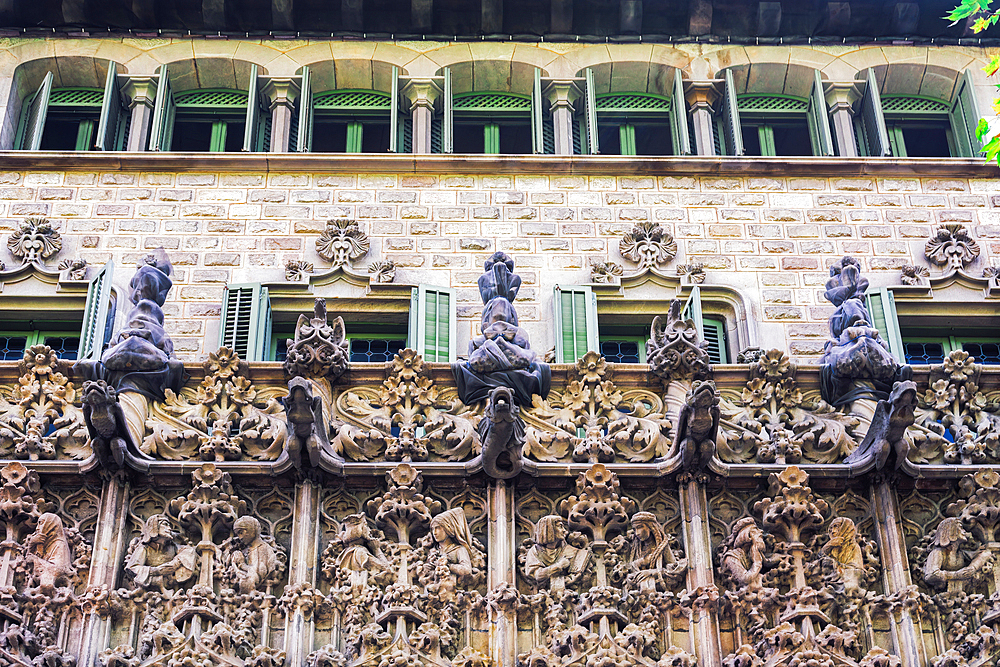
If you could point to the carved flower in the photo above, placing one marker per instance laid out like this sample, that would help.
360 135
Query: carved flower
648 244
605 272
392 391
774 364
941 395
242 391
991 272
591 367
423 391
40 360
793 476
224 364
296 270
694 272
407 364
209 475
959 366
207 392
787 392
757 392
341 242
15 473
383 271
987 478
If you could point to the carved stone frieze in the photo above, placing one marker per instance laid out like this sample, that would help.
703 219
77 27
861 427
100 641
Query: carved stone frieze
342 242
951 247
34 241
913 275
649 245
674 351
773 421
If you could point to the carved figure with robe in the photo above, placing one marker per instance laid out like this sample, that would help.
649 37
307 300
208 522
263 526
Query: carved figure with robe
743 556
552 562
845 550
453 561
156 561
362 558
49 555
253 559
948 564
652 565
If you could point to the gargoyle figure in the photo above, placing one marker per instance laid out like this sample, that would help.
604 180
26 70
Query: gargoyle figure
105 422
698 424
306 426
888 428
502 433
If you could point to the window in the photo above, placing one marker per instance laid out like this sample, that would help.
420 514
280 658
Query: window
66 344
635 123
492 123
212 120
75 119
355 121
770 125
256 332
934 349
914 126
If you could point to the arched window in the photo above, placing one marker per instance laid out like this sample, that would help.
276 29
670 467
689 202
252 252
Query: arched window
634 124
351 121
492 123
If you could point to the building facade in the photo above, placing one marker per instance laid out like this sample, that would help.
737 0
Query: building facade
400 351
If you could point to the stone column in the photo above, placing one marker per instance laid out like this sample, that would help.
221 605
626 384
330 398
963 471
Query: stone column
303 557
840 98
422 94
896 572
142 92
561 94
701 95
108 555
282 92
701 575
503 644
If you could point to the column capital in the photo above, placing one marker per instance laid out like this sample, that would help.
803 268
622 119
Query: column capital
562 93
700 94
141 90
422 93
282 91
841 94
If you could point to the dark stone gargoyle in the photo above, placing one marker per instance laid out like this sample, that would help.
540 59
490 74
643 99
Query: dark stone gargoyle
501 431
887 433
105 422
698 425
306 427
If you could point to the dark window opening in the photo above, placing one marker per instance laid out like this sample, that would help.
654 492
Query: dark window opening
468 138
68 133
792 140
329 136
375 138
653 139
609 138
622 351
191 136
751 140
375 350
925 140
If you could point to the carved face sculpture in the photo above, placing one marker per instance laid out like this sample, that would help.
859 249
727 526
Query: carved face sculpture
157 529
247 529
550 531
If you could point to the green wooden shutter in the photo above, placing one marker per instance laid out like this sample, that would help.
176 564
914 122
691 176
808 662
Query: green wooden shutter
679 118
34 119
819 120
872 119
590 113
394 112
162 131
537 115
626 138
692 311
113 113
882 311
254 129
715 336
731 118
576 322
246 321
964 116
448 116
432 323
303 142
95 314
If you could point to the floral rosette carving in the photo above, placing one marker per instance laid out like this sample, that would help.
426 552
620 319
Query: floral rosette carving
224 418
39 417
952 247
342 242
648 244
773 421
432 423
34 240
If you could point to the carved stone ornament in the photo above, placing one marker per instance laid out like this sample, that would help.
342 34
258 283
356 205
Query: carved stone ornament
34 241
605 272
791 604
691 274
773 421
296 270
320 348
382 272
913 275
342 242
76 269
224 418
991 273
951 247
673 350
649 245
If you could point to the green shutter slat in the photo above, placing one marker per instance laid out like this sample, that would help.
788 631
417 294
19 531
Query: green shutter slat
731 118
876 137
964 116
491 138
882 311
303 126
692 311
537 132
252 125
715 336
448 120
95 313
434 323
161 128
632 102
246 321
34 124
590 113
112 112
576 322
819 119
679 130
394 112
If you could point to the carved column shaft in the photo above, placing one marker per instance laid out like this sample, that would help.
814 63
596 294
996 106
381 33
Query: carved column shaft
896 570
503 647
698 541
302 562
108 555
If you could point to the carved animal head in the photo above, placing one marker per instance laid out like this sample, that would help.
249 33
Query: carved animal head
501 406
98 394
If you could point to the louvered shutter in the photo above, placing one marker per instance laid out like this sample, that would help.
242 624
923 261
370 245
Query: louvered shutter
731 118
715 336
96 320
964 116
679 118
819 120
110 129
576 322
537 115
303 143
432 323
448 117
246 321
590 113
872 120
692 311
254 130
34 120
882 312
162 132
394 112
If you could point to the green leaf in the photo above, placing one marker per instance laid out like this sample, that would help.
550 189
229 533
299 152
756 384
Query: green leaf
992 149
982 129
993 66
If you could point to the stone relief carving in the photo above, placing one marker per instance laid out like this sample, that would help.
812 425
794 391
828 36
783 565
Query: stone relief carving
342 242
773 421
914 275
951 247
605 272
698 424
297 270
649 245
691 274
76 269
673 351
34 241
382 272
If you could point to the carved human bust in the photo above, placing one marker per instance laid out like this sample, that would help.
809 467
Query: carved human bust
743 558
453 558
362 557
845 550
552 562
155 559
948 566
652 565
253 560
